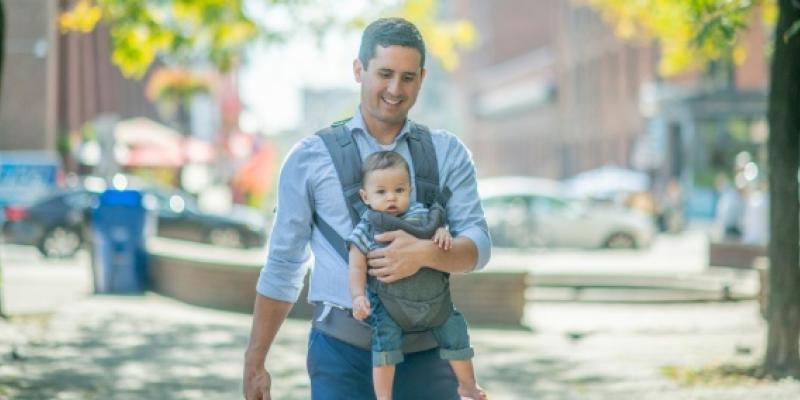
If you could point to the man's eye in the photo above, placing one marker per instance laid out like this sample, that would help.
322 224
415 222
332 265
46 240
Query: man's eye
408 78
385 74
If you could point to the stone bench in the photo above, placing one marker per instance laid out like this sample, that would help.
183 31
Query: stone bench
734 254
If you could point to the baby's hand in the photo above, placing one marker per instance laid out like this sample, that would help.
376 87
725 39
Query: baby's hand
361 307
443 239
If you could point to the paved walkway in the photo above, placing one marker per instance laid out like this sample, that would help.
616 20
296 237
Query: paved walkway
150 347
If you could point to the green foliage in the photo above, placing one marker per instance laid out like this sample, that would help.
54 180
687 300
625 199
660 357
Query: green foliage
691 32
792 31
183 31
179 30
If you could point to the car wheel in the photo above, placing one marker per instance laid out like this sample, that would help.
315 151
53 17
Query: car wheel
60 242
621 241
225 237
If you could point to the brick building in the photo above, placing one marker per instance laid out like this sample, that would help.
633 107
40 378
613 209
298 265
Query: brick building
53 83
550 91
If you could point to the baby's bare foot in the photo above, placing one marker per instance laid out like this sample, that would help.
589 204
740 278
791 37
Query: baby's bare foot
473 393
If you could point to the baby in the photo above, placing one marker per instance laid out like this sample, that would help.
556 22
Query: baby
386 187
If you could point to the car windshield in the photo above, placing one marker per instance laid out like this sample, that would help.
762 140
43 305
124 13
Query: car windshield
173 201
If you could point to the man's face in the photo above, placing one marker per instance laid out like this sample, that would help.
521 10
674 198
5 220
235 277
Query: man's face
387 190
389 84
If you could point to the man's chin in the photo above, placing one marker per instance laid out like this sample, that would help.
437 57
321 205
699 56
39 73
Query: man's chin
394 118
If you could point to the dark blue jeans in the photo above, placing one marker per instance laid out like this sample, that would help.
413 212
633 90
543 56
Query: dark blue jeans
340 371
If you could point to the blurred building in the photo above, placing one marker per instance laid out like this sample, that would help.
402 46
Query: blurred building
28 117
700 121
321 107
54 83
550 91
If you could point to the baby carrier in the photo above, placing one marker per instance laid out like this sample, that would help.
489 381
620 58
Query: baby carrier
419 302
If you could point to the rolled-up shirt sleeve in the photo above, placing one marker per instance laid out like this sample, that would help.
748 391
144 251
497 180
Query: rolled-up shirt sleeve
464 212
281 277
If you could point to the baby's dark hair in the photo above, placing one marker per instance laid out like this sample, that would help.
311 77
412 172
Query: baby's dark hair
382 160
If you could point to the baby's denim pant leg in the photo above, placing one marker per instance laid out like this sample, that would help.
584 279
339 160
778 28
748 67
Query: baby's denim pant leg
453 338
387 336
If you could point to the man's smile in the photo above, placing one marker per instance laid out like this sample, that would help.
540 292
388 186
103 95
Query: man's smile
392 102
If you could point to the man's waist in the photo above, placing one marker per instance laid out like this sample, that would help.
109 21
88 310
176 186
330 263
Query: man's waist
338 322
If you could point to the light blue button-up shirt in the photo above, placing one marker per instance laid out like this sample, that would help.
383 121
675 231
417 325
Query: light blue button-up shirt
308 183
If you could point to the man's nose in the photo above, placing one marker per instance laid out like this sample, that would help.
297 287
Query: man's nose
394 87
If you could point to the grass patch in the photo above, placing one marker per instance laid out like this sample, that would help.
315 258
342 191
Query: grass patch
712 375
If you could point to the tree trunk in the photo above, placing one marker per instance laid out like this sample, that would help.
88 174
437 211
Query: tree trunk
783 313
2 58
2 42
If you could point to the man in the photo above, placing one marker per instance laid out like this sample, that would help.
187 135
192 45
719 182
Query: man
390 70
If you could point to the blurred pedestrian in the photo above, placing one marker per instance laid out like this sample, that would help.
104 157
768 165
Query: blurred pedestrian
670 215
729 209
311 210
755 216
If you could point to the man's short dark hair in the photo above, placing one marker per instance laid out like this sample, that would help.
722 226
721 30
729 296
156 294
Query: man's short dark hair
382 160
387 32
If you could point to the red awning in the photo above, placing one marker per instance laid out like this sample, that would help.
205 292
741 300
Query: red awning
258 173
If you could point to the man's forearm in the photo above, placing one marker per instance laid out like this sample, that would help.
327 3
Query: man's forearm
268 315
461 257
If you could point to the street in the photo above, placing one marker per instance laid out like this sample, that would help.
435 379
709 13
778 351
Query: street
32 284
151 347
63 343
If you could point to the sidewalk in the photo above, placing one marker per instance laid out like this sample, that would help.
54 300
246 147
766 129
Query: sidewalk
151 347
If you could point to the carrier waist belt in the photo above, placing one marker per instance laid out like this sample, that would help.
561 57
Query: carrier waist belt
339 323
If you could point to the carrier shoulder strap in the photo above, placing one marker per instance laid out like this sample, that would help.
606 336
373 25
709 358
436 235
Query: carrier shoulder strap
347 162
426 167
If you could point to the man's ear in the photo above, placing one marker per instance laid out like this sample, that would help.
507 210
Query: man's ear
422 75
358 69
363 195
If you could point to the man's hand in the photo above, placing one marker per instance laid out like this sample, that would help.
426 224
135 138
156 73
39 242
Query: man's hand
361 307
257 383
400 259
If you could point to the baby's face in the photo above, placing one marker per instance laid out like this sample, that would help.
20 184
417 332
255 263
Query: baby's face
387 190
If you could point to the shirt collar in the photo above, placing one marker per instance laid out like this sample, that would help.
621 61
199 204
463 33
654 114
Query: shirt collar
357 124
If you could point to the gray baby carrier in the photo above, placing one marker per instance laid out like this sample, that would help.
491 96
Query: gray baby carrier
419 302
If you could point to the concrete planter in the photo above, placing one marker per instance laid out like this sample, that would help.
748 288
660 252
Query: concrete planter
225 279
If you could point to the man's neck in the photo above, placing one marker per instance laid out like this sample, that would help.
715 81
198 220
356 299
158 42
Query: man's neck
382 132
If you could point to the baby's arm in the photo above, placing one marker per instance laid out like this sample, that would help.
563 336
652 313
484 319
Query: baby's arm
358 283
443 238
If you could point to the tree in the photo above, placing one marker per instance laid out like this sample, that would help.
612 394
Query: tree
2 42
183 31
691 33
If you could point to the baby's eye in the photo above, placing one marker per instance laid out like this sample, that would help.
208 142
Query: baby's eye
380 191
400 190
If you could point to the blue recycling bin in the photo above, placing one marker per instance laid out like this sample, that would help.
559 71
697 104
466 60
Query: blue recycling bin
118 242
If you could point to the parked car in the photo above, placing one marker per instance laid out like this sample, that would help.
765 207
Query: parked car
179 217
57 223
531 212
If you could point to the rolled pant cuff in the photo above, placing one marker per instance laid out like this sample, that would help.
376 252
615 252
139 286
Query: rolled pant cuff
459 354
381 358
